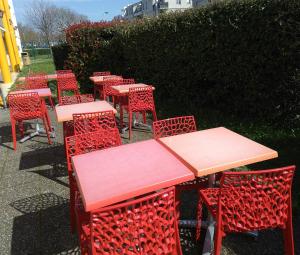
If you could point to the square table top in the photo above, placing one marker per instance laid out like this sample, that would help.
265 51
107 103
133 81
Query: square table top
124 89
65 112
42 92
101 78
112 175
49 77
215 150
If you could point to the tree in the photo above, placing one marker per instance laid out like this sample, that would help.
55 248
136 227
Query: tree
28 35
50 20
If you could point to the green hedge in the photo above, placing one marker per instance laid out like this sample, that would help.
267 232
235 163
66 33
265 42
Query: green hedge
239 57
60 54
34 52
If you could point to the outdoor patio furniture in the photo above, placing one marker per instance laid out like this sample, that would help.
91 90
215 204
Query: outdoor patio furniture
99 83
63 71
140 99
251 201
104 73
177 126
83 143
64 113
76 99
212 151
38 81
90 122
66 82
142 225
27 106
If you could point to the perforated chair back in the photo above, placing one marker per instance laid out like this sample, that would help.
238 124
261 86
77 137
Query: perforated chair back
94 121
104 73
36 81
174 126
76 99
64 71
24 106
255 200
145 225
67 82
141 99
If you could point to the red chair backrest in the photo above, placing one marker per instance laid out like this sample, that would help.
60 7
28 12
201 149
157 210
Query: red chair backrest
94 121
67 82
104 73
64 71
36 81
174 126
255 200
141 99
91 141
146 225
24 104
76 99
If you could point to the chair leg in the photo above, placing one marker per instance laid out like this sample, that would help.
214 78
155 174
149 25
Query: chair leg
48 121
199 217
144 117
21 128
13 132
130 123
218 241
95 92
51 102
288 235
121 115
47 128
154 115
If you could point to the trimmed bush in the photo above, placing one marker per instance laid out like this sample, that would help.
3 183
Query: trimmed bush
60 54
240 58
33 52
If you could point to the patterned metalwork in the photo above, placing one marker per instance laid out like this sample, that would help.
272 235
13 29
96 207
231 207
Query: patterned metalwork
84 143
140 99
66 82
76 99
90 122
38 81
249 201
174 126
63 71
104 73
27 106
144 225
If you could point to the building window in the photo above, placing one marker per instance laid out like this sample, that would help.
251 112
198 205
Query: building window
178 1
188 1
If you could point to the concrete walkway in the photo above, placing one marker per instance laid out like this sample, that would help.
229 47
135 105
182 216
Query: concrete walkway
34 205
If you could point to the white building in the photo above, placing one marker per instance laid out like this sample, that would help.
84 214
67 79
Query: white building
150 8
15 25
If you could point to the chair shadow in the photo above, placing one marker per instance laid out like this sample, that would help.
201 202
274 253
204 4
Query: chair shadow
51 157
43 227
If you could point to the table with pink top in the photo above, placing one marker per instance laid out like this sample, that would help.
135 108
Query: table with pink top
124 89
49 76
215 150
46 92
96 79
65 112
116 174
42 92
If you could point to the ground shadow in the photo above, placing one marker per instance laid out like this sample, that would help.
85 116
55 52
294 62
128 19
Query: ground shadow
44 226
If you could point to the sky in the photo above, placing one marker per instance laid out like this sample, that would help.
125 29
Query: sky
93 9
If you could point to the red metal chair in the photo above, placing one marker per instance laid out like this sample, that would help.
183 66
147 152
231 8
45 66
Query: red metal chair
27 106
94 121
83 143
140 99
63 71
251 201
104 73
38 81
66 82
76 99
143 225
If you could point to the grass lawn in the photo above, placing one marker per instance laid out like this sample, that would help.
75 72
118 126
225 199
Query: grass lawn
285 140
44 64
